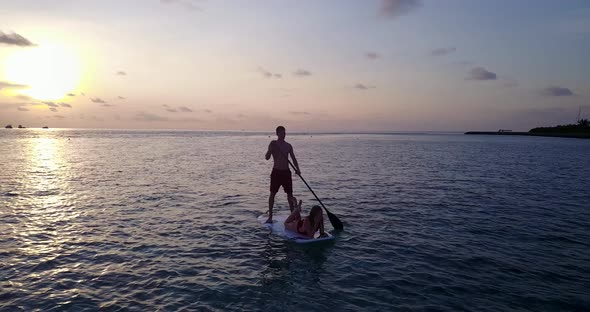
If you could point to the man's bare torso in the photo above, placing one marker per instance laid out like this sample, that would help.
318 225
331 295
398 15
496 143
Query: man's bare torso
280 154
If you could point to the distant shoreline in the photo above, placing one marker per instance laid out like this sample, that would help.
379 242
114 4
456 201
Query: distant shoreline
264 132
557 135
312 133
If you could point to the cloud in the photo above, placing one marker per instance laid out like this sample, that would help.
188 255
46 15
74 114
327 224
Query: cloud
143 116
121 97
302 73
98 100
24 97
8 85
91 117
15 39
169 109
372 55
18 106
71 94
50 104
463 63
59 117
443 51
557 91
208 111
53 109
187 4
189 119
65 105
299 113
121 73
361 86
509 82
266 74
396 8
480 73
106 105
179 109
82 93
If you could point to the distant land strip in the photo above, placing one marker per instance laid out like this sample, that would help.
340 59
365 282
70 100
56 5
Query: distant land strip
560 135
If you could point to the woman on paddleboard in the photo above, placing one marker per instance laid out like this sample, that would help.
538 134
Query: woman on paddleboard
306 226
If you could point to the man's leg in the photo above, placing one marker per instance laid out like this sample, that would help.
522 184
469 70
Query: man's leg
288 186
271 203
274 188
291 200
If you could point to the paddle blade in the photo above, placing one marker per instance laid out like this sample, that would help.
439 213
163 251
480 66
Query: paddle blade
336 223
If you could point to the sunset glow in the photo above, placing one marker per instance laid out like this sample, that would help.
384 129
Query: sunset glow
379 65
49 71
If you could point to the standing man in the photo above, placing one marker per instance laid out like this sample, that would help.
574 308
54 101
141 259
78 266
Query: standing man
281 175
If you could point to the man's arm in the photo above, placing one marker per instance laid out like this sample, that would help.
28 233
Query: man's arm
297 171
269 151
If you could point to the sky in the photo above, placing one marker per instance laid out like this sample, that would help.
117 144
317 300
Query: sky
310 65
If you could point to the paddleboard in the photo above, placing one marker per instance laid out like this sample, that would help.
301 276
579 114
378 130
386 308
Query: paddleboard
278 228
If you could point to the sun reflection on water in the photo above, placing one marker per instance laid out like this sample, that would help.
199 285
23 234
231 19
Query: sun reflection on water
46 206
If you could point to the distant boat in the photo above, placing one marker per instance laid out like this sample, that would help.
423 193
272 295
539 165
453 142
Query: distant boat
21 127
45 127
8 127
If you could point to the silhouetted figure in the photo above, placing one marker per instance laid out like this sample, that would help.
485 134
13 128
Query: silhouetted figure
281 174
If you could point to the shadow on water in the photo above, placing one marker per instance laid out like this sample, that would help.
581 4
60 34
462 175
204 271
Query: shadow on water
292 271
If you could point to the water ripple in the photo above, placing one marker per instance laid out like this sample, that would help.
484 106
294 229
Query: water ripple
149 220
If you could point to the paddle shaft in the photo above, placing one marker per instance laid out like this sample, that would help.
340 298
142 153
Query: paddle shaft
336 223
309 187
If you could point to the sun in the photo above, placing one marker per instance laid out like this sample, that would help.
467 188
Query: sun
50 71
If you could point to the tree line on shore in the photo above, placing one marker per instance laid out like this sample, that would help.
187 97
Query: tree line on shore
583 126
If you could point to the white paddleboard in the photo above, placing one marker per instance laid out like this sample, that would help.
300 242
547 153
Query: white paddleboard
278 228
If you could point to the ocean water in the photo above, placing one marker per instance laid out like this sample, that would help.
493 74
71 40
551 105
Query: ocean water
166 220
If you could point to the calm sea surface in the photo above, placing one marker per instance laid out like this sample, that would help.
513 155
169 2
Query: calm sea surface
166 220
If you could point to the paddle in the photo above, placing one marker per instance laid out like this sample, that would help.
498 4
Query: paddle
336 223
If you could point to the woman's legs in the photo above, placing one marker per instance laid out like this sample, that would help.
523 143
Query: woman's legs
293 219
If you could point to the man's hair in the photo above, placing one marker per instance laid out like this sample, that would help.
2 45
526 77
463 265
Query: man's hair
280 128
